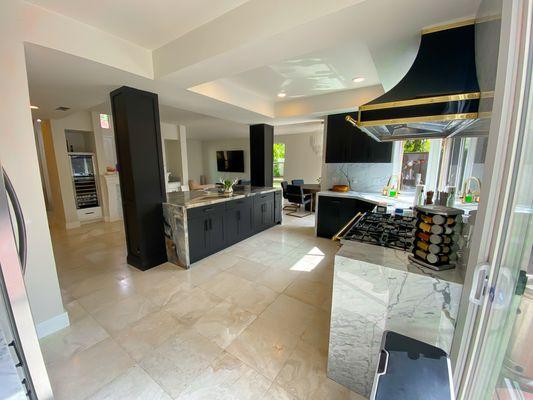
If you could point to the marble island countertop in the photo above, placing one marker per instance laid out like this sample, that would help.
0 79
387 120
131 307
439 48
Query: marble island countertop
198 198
376 289
403 200
393 259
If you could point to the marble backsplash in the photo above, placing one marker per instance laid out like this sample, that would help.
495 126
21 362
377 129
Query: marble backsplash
365 177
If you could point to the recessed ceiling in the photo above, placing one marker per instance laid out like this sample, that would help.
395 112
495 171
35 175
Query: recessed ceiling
319 72
150 24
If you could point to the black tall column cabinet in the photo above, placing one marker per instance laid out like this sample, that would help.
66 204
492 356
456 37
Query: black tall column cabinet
138 140
261 155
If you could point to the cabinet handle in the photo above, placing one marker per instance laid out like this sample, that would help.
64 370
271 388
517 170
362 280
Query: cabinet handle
238 215
205 225
210 224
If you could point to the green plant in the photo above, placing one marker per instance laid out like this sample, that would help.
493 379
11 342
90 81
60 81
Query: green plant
416 146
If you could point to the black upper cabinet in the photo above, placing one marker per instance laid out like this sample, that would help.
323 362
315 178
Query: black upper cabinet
348 144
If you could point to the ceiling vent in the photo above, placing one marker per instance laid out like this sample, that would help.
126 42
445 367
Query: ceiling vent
62 108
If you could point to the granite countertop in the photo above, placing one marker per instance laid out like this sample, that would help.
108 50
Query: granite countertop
395 259
402 200
198 198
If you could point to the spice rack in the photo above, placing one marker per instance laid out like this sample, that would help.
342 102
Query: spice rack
436 236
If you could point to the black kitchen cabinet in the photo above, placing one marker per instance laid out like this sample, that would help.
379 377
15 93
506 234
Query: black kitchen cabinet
335 212
206 231
263 211
348 144
238 222
278 204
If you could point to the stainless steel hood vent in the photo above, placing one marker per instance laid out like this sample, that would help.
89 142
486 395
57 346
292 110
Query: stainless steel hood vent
439 96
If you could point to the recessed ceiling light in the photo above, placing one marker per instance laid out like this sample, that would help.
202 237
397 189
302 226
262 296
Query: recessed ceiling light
38 119
358 79
282 95
34 107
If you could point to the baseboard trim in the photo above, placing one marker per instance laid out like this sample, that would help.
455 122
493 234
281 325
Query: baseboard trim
73 225
52 325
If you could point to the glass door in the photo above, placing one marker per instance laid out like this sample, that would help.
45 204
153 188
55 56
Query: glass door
500 363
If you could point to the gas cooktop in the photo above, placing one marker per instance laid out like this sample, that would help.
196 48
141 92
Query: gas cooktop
386 230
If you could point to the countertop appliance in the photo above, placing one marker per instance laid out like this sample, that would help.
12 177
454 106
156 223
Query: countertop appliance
394 231
409 369
439 96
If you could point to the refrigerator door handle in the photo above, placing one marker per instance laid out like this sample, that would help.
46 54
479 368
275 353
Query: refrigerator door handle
479 284
21 226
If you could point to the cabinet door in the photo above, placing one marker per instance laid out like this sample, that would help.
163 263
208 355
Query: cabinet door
245 220
268 213
336 141
216 232
277 207
198 238
232 225
257 215
328 216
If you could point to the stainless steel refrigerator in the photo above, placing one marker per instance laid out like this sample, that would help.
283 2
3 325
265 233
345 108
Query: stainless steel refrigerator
22 370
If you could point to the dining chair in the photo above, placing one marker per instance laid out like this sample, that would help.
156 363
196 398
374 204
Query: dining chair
297 182
297 197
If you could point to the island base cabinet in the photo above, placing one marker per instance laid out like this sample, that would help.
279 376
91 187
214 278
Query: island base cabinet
263 211
215 227
335 212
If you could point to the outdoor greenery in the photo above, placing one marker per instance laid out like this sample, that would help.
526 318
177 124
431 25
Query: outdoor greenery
416 146
279 159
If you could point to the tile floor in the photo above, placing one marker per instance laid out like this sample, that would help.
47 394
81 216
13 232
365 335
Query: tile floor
250 322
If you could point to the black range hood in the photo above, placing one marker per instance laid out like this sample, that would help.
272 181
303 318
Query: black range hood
439 96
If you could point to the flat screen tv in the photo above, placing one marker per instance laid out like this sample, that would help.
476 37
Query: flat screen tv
230 161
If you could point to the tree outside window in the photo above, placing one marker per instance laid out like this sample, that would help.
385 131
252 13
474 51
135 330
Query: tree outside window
414 162
279 162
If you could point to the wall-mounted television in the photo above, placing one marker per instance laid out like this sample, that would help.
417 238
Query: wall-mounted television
230 161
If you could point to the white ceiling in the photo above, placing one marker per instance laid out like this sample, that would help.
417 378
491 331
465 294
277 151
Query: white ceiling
150 24
319 72
228 72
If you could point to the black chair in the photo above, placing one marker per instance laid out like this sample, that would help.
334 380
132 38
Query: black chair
296 196
297 182
244 182
291 207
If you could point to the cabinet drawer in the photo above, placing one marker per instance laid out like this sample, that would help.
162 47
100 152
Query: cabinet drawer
205 210
263 198
230 205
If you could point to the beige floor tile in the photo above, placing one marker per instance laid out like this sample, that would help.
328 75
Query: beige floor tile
124 313
254 297
277 279
226 285
78 336
105 297
134 384
263 346
275 392
144 335
190 305
227 378
92 284
223 323
89 370
310 292
180 360
247 269
290 314
75 311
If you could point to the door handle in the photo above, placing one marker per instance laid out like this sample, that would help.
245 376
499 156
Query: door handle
479 283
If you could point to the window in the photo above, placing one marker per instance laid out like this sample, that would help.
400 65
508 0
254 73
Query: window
279 163
414 163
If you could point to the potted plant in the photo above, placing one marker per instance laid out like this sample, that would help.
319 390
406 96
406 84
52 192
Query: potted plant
228 184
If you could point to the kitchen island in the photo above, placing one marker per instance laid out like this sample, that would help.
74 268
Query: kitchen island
199 223
376 289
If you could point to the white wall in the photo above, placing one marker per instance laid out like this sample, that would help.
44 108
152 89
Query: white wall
210 148
303 156
195 158
78 121
18 154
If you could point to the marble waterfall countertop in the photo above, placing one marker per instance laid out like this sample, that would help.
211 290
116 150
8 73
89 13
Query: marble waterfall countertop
198 198
403 200
377 289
